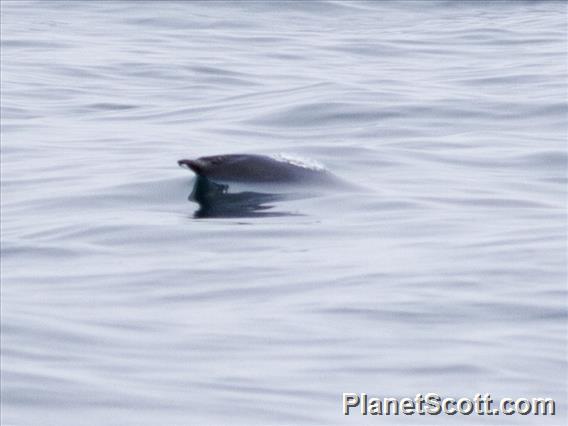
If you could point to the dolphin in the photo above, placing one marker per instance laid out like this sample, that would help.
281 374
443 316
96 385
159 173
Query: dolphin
247 185
254 168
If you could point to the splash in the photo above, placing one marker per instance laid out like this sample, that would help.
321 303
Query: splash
299 161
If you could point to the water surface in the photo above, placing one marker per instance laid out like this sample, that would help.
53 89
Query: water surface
122 305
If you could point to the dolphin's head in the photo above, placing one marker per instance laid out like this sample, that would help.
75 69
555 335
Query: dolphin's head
197 166
204 166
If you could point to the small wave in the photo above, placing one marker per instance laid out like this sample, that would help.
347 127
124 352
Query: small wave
299 161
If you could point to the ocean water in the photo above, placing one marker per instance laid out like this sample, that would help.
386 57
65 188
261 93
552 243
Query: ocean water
441 268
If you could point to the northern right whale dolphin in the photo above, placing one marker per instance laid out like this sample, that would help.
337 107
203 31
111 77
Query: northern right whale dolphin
254 168
247 185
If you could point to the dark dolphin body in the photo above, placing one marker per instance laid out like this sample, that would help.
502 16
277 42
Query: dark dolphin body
250 168
279 180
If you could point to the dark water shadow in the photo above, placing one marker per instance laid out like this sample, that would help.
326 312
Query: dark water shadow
216 201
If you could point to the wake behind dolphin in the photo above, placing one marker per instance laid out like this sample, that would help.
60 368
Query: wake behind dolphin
244 185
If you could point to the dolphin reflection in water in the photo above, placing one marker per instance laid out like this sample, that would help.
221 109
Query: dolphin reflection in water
241 185
217 201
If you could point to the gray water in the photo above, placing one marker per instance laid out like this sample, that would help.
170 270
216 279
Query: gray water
442 269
